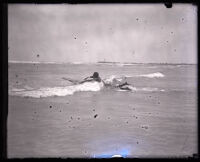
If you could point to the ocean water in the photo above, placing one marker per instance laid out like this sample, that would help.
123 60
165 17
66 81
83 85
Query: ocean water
51 117
45 80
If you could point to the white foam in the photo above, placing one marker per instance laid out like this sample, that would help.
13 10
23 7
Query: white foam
18 89
144 89
59 91
128 76
153 75
113 78
28 87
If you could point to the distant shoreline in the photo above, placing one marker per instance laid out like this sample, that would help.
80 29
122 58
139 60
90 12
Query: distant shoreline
100 62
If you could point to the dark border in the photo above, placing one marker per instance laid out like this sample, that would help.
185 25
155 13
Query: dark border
4 64
4 79
100 1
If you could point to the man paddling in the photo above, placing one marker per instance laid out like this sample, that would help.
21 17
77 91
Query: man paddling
94 77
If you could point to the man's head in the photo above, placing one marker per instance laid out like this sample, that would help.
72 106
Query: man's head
95 75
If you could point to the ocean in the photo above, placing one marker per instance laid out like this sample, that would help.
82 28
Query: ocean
52 117
43 80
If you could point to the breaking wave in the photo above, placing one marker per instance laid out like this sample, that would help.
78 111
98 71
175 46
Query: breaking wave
153 75
121 78
114 78
112 81
144 89
57 91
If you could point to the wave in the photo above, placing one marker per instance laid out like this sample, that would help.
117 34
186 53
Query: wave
113 81
112 78
144 89
153 75
57 91
70 90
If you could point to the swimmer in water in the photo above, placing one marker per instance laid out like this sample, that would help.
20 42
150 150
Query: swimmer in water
97 78
94 77
124 86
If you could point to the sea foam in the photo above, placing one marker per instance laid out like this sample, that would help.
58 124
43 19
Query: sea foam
112 80
153 75
144 89
58 91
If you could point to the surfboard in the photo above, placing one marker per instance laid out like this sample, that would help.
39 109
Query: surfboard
77 81
71 80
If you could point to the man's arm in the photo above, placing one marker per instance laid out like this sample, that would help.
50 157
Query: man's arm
87 78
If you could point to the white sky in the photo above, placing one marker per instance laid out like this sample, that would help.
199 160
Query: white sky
142 33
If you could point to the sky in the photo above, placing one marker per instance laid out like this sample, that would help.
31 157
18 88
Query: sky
138 33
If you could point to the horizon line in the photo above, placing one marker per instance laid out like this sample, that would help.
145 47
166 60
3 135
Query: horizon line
98 62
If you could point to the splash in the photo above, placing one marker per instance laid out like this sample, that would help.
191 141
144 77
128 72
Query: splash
111 81
144 89
114 78
57 91
153 75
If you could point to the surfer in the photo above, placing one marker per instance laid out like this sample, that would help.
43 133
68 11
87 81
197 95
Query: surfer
94 77
124 86
97 78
